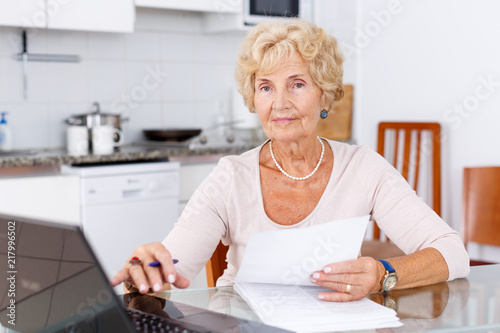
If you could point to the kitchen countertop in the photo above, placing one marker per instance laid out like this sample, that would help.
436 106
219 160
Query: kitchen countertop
48 161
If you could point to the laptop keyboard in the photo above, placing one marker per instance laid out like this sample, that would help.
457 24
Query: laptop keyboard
149 323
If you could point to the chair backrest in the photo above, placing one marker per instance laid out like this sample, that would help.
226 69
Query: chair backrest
216 265
410 140
481 205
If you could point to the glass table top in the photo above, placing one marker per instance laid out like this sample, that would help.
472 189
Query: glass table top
463 305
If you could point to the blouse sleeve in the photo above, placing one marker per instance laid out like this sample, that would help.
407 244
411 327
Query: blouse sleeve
202 224
410 223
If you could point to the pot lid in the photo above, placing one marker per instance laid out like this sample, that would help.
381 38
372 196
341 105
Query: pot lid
96 110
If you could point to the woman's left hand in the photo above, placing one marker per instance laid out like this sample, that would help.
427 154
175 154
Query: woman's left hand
351 280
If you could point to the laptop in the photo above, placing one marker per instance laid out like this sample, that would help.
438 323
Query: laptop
55 284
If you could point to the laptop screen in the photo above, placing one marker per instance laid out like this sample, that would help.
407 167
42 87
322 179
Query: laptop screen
54 283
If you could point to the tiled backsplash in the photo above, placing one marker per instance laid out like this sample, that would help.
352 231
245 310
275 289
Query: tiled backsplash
157 78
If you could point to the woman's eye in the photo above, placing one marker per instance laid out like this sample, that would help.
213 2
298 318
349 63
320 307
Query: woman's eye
299 85
265 88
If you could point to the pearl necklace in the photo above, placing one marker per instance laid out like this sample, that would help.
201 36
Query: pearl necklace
298 178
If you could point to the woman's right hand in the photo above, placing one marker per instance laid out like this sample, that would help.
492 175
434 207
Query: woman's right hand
145 277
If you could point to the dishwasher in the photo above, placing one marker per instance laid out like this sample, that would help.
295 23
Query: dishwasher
123 206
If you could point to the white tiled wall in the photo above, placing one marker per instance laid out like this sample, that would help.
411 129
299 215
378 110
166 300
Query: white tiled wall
166 74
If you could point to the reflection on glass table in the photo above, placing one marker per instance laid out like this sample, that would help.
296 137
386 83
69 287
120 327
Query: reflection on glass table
462 305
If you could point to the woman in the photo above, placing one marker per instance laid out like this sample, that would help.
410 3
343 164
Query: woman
290 73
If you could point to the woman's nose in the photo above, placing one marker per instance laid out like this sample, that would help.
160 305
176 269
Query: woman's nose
281 100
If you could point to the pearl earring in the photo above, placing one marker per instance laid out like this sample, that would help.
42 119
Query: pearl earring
323 114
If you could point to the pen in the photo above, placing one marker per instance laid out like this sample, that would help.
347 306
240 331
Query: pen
156 263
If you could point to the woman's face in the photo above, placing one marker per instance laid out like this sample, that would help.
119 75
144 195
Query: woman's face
287 101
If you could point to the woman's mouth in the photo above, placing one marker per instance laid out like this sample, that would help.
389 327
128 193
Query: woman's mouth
283 120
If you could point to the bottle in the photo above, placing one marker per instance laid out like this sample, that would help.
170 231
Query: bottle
5 134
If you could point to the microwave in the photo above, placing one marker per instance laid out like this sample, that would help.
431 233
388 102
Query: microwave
256 11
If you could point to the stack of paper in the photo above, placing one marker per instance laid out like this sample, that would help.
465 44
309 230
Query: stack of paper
274 279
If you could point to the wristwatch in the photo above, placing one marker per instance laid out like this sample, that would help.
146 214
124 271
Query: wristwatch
390 278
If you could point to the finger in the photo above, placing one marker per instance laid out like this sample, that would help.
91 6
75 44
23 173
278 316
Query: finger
139 279
120 277
343 278
166 272
349 266
346 288
158 281
154 276
181 282
160 253
360 265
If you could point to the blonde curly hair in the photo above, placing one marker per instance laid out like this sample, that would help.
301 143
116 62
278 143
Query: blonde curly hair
268 43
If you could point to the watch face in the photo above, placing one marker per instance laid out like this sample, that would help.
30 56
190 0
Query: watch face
390 281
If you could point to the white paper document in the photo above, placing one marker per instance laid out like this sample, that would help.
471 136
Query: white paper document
291 256
274 278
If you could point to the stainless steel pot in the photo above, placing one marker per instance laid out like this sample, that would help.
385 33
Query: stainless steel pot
96 118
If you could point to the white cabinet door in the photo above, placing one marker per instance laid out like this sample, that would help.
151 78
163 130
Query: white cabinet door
54 198
91 15
191 176
217 6
23 13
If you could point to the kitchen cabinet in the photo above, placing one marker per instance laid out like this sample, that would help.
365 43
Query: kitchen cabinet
23 13
215 15
84 15
91 15
52 197
216 6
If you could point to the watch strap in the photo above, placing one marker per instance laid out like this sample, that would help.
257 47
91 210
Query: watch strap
388 267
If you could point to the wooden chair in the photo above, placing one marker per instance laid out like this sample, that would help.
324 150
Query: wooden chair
216 264
481 207
410 140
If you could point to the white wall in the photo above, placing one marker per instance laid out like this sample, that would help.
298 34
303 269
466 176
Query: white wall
194 77
423 64
338 18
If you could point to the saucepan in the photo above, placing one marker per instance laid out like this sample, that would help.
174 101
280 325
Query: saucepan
96 118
